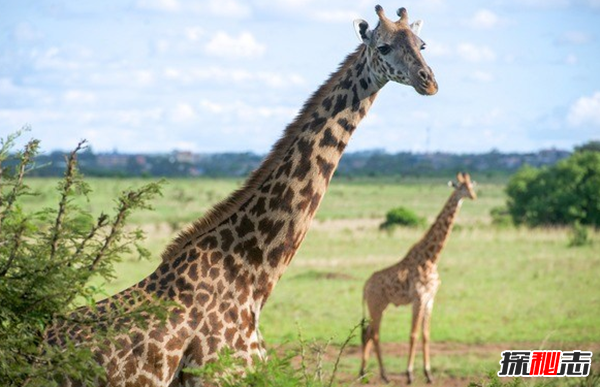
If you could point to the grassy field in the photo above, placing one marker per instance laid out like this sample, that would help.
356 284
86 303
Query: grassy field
502 288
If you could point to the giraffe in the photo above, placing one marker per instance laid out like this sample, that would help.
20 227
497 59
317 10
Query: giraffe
222 268
412 280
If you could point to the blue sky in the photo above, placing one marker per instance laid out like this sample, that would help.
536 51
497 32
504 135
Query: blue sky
228 75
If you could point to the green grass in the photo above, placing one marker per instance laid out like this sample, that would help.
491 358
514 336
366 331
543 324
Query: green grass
499 285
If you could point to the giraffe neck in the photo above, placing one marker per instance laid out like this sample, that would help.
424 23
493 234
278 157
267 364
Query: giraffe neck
435 239
253 235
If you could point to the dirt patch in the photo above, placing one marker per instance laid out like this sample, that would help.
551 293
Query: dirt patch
327 275
345 224
439 350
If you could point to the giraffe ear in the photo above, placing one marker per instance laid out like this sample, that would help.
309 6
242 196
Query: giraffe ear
416 26
452 184
361 27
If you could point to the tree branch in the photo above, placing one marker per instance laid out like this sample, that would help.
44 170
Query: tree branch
69 180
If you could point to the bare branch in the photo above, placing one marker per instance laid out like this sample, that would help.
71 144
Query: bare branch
101 222
13 251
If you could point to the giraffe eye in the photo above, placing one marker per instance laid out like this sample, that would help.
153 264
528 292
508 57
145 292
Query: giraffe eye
423 46
385 49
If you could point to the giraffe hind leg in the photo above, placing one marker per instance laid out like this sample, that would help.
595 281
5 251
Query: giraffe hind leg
373 335
367 342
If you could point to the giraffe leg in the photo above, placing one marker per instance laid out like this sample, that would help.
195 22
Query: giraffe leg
375 337
262 347
426 326
417 316
367 342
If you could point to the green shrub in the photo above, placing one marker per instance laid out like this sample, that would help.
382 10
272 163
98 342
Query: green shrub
401 216
278 369
579 236
501 217
46 260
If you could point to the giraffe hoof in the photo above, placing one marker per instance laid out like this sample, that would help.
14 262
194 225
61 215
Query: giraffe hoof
409 377
428 377
385 378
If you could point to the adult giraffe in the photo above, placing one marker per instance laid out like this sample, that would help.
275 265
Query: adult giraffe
222 268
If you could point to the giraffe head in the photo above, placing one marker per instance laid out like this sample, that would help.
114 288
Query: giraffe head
394 50
464 186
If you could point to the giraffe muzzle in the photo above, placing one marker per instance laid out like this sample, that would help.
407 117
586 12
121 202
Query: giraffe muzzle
425 83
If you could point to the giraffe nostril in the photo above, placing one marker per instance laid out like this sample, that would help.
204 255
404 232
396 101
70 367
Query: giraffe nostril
424 75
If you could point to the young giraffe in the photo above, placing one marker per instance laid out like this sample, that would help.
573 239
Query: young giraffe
222 269
412 280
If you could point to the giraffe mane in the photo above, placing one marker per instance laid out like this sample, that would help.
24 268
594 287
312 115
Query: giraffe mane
227 207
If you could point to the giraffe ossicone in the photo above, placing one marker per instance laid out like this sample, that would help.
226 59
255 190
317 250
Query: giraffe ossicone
222 268
414 280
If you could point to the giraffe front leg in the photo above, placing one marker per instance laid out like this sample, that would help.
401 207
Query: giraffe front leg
262 346
417 316
426 328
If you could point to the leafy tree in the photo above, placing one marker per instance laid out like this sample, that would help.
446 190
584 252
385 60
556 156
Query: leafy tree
590 146
47 258
563 194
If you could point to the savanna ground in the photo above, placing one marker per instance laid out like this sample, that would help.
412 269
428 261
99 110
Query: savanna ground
502 287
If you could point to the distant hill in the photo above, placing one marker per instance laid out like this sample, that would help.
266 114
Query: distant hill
365 163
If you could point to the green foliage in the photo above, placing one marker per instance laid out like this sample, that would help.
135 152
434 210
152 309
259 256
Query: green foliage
277 370
47 257
229 371
566 193
501 217
492 380
579 236
590 146
401 216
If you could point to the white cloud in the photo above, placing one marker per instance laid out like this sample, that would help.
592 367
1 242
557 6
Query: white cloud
79 97
336 16
483 119
229 8
571 59
436 48
481 77
135 117
245 112
484 19
242 46
183 113
194 33
473 53
143 77
159 5
554 4
25 32
189 76
574 38
585 111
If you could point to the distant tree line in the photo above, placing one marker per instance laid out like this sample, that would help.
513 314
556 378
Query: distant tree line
364 163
